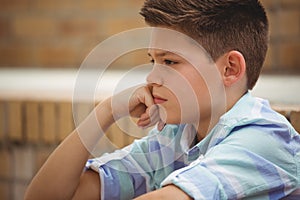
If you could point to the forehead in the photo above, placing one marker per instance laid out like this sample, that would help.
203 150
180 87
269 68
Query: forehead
170 40
167 41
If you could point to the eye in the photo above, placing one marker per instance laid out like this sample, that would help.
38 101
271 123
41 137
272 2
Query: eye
152 61
169 62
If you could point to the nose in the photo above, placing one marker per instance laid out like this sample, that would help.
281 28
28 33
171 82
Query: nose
155 76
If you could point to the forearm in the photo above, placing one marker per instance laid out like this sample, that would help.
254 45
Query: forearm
60 175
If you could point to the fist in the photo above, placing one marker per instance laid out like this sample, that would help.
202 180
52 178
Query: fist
137 102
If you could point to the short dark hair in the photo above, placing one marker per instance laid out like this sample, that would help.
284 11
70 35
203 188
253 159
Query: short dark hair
218 25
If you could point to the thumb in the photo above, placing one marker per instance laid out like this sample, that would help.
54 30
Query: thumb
160 125
148 99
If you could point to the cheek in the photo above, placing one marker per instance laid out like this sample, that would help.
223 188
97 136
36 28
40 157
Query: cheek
203 97
185 92
182 108
198 104
173 105
170 111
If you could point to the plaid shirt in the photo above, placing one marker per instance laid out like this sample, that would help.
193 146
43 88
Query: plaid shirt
252 152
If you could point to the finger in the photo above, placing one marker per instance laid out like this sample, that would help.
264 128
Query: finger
136 112
140 101
154 114
144 123
144 116
146 97
149 120
151 112
160 125
145 119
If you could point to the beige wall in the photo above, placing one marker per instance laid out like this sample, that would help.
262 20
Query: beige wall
60 33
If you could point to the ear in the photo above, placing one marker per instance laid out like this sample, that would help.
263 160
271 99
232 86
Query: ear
234 69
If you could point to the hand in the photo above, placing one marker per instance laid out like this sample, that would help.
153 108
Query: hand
137 102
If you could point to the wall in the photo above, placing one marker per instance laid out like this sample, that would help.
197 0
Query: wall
60 33
284 16
30 130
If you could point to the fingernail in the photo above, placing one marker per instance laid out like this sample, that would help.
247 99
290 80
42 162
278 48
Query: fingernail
160 126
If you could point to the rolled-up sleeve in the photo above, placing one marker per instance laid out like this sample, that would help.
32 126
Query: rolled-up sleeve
197 181
241 166
141 166
121 175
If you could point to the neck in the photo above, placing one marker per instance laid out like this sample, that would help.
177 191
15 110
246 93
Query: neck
206 124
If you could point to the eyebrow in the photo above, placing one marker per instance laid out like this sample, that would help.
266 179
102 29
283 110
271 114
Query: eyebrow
160 54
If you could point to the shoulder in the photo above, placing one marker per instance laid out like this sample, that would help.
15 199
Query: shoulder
270 142
255 114
253 126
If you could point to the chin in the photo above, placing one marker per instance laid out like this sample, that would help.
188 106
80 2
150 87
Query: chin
173 121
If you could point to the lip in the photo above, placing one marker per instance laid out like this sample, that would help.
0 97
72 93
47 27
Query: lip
158 100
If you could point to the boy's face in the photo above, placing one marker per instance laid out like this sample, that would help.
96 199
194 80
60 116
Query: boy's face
185 82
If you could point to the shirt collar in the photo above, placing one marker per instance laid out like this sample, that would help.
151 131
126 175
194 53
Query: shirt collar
245 111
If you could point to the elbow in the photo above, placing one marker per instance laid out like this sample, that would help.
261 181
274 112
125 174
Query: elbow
30 194
35 192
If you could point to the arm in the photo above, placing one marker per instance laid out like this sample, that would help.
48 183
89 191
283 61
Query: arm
53 182
168 192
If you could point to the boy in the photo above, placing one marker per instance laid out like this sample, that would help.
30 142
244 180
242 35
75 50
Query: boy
230 146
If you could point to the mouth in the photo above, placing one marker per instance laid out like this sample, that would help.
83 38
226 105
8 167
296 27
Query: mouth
158 100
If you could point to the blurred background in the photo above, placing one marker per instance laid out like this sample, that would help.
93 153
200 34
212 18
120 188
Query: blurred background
60 33
42 45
